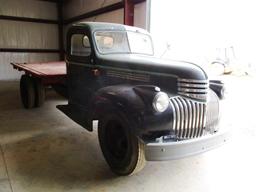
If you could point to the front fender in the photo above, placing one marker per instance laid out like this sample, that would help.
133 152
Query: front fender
135 102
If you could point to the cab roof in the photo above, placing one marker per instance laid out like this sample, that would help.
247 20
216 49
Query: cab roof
95 26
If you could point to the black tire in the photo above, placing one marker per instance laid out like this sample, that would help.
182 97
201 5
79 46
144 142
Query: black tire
123 151
39 92
27 91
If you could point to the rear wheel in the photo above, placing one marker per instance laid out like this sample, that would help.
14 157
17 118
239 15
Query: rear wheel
27 91
39 92
123 151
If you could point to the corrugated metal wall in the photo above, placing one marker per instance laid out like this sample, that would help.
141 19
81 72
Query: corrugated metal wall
16 34
28 8
26 35
73 8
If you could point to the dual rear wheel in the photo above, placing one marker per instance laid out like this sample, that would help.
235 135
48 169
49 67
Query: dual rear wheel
32 92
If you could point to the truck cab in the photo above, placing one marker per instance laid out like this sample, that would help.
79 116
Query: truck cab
143 107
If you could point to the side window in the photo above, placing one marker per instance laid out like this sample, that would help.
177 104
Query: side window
80 45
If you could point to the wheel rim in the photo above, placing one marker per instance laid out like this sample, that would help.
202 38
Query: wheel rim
116 140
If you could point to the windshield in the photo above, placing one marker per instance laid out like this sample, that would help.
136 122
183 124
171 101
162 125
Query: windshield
109 42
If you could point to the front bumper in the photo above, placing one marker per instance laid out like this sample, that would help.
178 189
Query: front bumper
161 151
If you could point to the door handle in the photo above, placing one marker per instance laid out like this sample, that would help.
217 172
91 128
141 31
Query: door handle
96 72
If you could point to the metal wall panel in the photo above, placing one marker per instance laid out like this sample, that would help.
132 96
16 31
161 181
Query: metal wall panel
15 34
73 8
140 15
113 17
8 73
26 35
29 8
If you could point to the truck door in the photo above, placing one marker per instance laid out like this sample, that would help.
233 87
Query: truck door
79 69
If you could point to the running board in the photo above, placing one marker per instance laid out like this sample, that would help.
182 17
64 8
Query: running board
77 115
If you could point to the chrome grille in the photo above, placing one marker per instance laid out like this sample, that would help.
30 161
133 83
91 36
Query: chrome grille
189 117
212 115
195 89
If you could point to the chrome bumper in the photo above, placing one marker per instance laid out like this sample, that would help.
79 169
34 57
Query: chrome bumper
162 151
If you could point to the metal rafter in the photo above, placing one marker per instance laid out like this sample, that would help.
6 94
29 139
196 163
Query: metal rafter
23 50
129 12
27 19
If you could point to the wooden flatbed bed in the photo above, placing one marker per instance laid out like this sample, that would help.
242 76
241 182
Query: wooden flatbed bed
37 77
49 73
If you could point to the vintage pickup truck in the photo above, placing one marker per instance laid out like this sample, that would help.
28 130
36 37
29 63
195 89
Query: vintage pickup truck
144 108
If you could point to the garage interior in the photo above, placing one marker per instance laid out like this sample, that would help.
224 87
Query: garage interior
43 150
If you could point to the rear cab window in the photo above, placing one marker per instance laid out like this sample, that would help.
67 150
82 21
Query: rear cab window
80 45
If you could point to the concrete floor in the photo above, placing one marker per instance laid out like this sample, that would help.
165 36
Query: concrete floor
42 150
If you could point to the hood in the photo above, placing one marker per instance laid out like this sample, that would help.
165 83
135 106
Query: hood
150 64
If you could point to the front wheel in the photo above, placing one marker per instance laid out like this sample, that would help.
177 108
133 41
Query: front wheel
123 151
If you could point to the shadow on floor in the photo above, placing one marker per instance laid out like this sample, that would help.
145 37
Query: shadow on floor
44 148
65 157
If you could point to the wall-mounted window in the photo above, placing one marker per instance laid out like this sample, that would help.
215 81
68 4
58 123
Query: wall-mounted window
80 45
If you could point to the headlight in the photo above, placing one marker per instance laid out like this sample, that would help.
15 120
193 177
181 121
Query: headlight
161 102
